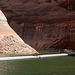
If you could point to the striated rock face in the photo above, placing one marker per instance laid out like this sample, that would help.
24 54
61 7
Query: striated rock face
46 36
10 42
47 23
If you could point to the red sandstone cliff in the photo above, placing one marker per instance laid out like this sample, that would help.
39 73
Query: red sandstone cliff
41 23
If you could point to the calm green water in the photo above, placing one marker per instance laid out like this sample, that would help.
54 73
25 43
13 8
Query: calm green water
44 66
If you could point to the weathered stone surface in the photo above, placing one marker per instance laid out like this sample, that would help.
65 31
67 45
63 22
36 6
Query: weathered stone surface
43 22
10 42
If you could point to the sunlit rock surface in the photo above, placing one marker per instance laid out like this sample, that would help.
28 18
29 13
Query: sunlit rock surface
10 42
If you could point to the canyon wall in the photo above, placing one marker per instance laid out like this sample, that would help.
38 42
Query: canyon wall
44 36
43 24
